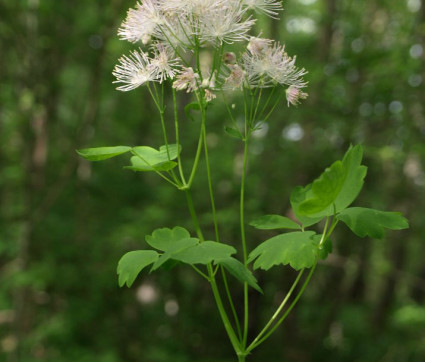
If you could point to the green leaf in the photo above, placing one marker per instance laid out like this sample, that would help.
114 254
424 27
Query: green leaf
177 247
363 221
297 249
164 238
204 253
189 107
102 153
149 159
270 222
298 195
233 132
132 263
239 271
337 187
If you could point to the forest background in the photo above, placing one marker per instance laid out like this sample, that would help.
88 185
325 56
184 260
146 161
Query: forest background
65 223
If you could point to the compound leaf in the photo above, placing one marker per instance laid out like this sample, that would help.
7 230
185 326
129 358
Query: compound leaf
337 187
149 159
204 253
102 153
363 221
298 195
132 263
298 249
177 247
164 238
239 271
270 222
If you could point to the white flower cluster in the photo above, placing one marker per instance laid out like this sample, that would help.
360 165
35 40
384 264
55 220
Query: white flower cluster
176 30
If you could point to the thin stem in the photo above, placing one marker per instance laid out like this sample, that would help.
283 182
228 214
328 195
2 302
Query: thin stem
252 346
176 125
210 188
274 106
161 109
257 105
267 101
278 310
157 172
232 305
193 215
227 325
197 157
243 237
200 272
226 286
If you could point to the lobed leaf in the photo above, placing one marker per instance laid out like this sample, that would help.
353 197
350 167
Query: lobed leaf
176 248
371 222
102 153
132 263
298 249
239 271
336 188
270 222
164 238
149 159
204 253
298 195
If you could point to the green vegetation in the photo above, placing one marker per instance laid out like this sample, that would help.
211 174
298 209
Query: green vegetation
66 222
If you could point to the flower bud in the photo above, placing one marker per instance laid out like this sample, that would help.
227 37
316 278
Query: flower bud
294 95
229 58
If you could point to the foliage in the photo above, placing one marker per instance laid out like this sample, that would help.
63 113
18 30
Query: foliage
65 223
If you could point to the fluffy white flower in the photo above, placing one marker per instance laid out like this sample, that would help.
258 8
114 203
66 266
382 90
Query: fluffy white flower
272 65
268 7
164 64
141 22
175 32
192 7
225 23
133 71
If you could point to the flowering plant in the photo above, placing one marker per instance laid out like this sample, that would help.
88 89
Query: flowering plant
194 46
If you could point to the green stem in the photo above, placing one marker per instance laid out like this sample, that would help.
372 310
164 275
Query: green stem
227 325
161 110
300 293
267 101
232 305
157 172
210 188
176 124
278 310
274 106
197 157
200 272
193 215
243 237
226 286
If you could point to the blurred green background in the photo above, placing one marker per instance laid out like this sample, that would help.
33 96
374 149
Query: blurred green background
64 223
